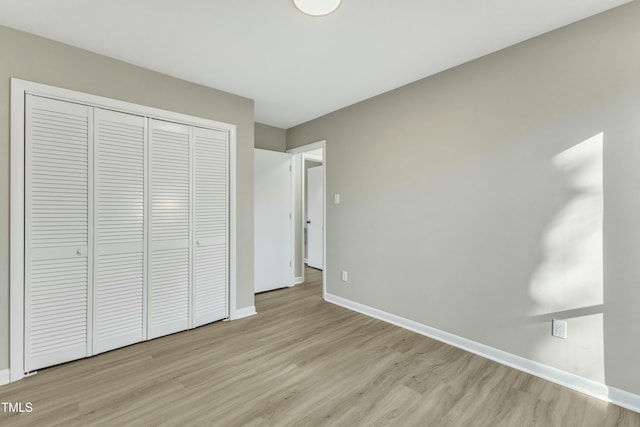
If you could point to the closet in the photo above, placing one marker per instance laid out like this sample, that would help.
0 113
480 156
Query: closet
126 229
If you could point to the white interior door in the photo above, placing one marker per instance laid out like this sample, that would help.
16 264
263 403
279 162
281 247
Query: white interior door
210 266
315 217
272 220
169 246
58 192
119 279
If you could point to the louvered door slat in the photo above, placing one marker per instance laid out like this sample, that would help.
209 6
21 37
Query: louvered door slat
58 177
119 279
169 240
210 288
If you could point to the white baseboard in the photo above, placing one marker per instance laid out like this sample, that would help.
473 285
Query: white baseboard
297 280
244 312
575 382
5 377
623 398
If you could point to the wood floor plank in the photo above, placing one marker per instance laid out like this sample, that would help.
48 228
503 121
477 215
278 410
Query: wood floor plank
299 362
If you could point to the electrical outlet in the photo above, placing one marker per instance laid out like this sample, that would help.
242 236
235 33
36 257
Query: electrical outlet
345 278
559 328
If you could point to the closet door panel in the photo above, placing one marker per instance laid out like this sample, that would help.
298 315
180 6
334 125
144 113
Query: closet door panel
211 272
119 280
58 179
170 244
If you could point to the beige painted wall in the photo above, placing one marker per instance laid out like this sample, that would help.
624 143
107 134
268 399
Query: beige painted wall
471 201
270 138
36 59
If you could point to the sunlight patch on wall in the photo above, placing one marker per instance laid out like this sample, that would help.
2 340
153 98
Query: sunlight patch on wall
570 275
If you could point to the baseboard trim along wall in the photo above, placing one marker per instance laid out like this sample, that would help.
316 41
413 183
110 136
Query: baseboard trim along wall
297 280
244 312
575 382
5 377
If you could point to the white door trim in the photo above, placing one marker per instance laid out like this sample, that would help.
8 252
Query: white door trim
19 88
301 150
292 209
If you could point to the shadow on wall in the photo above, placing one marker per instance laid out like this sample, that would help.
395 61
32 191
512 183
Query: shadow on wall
569 282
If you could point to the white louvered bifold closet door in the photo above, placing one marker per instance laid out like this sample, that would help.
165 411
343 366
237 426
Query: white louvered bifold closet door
119 275
169 246
58 181
211 273
126 229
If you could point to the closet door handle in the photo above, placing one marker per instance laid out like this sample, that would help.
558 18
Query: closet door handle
198 242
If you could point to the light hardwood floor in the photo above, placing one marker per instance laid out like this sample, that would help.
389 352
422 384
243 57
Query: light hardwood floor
299 362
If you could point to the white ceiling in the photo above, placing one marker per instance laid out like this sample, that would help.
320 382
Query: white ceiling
294 66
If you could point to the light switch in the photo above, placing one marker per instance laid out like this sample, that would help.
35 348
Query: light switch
336 199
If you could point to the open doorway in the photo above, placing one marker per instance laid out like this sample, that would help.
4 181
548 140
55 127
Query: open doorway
309 209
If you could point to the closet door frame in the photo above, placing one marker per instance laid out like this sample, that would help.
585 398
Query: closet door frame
19 90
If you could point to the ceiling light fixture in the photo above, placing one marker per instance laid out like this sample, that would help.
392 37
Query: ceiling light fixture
317 7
